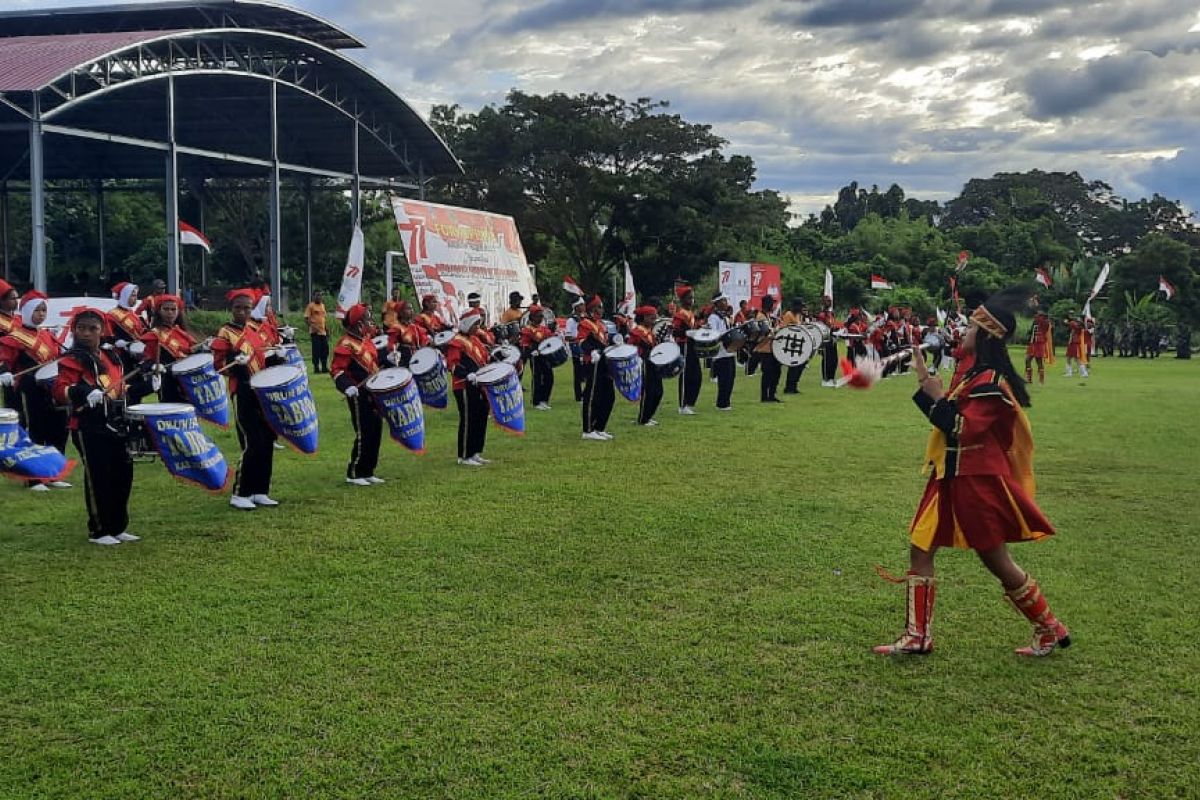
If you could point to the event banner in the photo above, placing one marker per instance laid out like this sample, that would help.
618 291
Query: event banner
453 251
186 452
743 281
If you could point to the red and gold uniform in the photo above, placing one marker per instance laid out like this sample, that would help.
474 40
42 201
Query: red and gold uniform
642 337
464 356
683 321
126 325
354 360
166 344
257 440
1079 341
407 339
391 313
432 323
543 374
599 394
24 349
1041 342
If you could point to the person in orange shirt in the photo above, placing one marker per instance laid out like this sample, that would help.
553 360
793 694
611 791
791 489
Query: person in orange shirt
315 315
391 309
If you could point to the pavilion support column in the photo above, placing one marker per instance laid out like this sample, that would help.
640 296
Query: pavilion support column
308 280
356 181
420 180
4 228
37 199
276 277
203 252
171 190
99 189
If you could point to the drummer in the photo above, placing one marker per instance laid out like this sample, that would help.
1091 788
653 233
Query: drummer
25 348
598 391
91 383
126 328
429 319
354 360
856 327
829 351
464 356
765 356
571 329
725 361
684 321
168 341
149 303
8 307
532 335
642 337
405 337
796 315
240 349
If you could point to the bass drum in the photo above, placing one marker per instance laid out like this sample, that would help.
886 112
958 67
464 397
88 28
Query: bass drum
662 330
793 346
822 330
667 360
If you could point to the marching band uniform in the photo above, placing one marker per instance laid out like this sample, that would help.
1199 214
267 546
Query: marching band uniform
429 319
391 310
684 321
856 348
829 351
642 337
166 344
793 316
126 329
1040 347
405 337
981 487
25 348
464 356
578 369
765 357
8 304
149 304
598 391
354 360
724 363
239 345
532 335
91 383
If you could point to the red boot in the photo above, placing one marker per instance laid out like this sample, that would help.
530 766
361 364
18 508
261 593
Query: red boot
917 639
1048 632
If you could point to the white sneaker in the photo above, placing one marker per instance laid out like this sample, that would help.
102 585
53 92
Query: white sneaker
479 457
688 410
1083 373
107 541
829 384
263 500
373 480
605 435
244 503
278 446
128 537
724 408
713 380
59 485
358 481
594 436
469 462
542 407
651 423
39 487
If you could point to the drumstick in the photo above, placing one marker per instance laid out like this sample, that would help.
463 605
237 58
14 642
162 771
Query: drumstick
36 367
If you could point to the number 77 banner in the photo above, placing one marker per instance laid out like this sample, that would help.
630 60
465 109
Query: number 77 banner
351 290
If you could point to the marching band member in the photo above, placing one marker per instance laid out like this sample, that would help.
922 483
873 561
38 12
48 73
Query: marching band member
829 351
318 332
24 348
724 362
92 384
684 321
642 337
532 335
149 303
126 329
1040 347
405 337
598 391
354 360
167 341
8 306
856 325
262 317
240 349
765 357
578 370
980 491
513 313
429 319
1079 345
794 316
464 356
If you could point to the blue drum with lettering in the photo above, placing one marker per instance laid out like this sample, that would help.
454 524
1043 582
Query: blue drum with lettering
625 365
395 394
185 451
20 458
503 389
433 381
288 405
202 386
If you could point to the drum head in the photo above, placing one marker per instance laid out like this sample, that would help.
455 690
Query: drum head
143 410
47 372
442 338
665 353
704 336
494 373
424 360
662 330
813 333
792 346
380 341
191 363
8 416
507 353
620 351
550 345
388 379
822 329
934 340
275 376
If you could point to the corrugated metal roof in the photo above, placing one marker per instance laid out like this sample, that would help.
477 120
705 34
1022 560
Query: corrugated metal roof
28 63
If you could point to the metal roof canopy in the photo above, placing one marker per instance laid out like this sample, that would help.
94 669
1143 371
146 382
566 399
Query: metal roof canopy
120 100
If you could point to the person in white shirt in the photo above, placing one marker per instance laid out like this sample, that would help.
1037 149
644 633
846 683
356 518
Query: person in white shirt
724 362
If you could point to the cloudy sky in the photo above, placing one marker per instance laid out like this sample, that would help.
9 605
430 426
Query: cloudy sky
924 93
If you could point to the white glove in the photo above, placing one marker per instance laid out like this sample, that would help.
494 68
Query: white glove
472 378
206 344
395 358
6 379
159 369
155 383
351 391
136 349
618 339
94 398
122 344
242 360
106 346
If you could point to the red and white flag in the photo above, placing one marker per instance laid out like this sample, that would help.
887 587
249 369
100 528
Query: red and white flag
571 286
1042 276
963 257
1099 284
191 235
1166 287
878 282
629 301
829 285
351 290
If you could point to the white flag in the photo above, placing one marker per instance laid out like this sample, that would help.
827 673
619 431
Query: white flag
1100 279
629 301
351 290
829 286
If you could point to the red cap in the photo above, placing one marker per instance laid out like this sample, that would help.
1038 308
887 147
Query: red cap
169 298
534 309
5 287
682 289
356 314
645 311
105 325
594 302
234 294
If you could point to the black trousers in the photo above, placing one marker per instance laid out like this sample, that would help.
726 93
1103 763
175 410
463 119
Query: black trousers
726 370
652 393
107 479
472 420
368 431
44 423
543 380
829 361
771 372
689 381
579 375
254 468
598 397
320 352
793 377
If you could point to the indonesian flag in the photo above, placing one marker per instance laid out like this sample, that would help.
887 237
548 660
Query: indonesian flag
571 286
1100 280
1042 276
191 235
629 301
878 282
1166 287
829 286
351 289
963 257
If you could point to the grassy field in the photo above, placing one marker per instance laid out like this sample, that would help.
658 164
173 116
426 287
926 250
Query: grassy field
686 611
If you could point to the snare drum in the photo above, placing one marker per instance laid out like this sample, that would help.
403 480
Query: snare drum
792 346
429 371
499 382
553 351
667 359
705 341
399 402
441 339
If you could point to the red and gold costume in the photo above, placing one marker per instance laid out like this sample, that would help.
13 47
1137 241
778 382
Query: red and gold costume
432 323
391 313
24 349
543 374
1079 341
257 439
355 359
683 321
642 337
233 340
592 338
126 324
1041 338
464 356
407 339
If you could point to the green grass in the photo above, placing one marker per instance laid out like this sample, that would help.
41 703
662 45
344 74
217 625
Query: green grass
686 611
